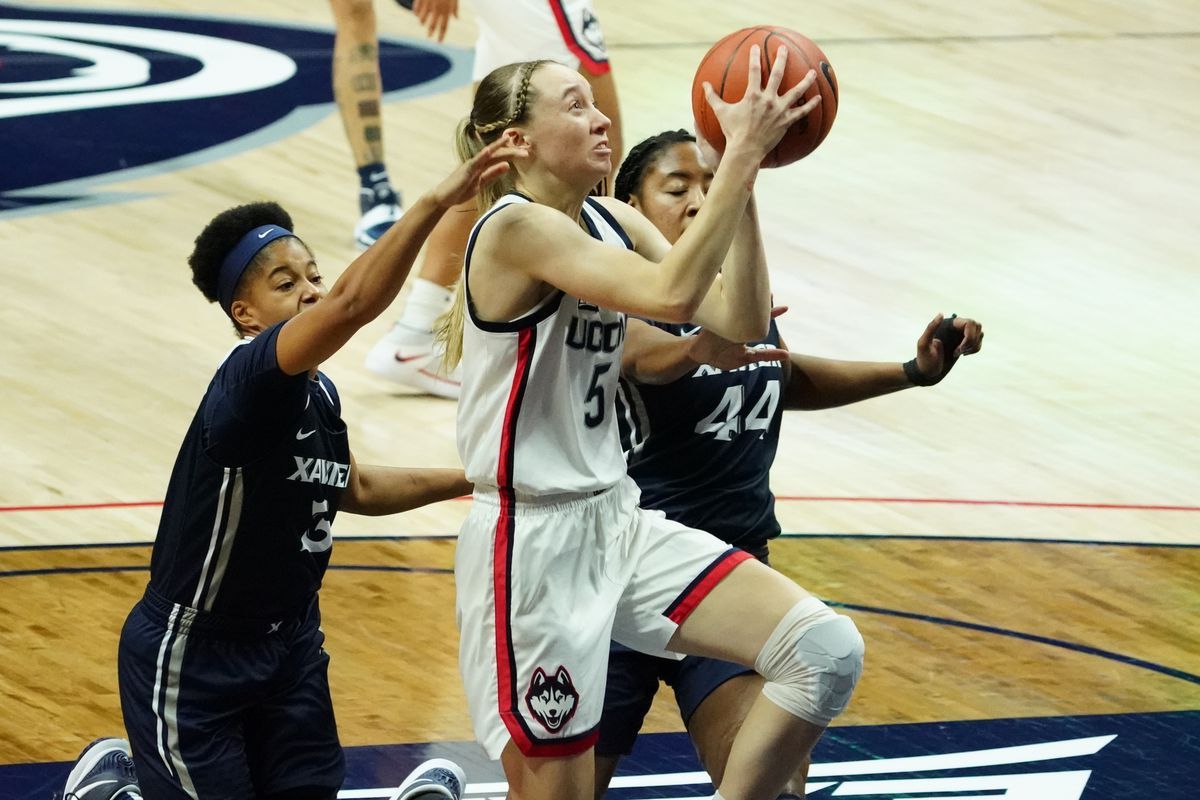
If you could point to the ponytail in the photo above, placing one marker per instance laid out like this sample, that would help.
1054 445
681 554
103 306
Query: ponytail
501 101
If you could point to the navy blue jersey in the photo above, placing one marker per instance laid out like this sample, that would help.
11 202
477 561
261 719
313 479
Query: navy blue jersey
701 447
245 529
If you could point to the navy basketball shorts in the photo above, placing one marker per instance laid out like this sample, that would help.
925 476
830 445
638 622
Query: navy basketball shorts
223 708
633 680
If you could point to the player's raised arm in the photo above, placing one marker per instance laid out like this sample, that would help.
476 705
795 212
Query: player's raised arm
372 281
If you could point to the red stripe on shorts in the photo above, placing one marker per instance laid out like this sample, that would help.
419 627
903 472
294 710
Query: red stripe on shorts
568 34
698 589
510 710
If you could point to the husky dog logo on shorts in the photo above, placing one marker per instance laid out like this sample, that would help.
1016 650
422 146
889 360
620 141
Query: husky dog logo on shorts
552 701
592 32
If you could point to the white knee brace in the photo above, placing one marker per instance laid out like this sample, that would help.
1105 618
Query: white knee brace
812 662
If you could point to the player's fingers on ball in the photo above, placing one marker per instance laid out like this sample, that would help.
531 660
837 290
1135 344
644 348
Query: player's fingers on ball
778 68
799 112
754 70
806 82
793 95
714 99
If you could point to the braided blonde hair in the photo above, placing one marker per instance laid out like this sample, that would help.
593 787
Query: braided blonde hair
502 100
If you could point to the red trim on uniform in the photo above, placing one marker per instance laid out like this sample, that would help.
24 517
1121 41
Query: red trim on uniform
686 603
586 60
510 711
501 566
559 747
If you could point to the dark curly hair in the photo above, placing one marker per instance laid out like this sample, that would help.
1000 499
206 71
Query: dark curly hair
222 233
643 154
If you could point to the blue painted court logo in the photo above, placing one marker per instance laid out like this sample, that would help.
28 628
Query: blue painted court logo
88 96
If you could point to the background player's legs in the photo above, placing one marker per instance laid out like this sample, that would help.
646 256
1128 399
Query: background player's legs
633 680
606 767
358 88
407 354
717 721
558 778
740 620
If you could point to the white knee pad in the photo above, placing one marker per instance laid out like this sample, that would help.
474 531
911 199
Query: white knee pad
812 662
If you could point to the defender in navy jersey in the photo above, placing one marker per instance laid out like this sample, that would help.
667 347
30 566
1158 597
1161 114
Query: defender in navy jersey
222 669
700 419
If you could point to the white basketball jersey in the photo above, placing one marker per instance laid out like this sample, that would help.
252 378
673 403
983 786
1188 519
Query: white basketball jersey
535 413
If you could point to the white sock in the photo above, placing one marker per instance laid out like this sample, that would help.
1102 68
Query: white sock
717 796
426 302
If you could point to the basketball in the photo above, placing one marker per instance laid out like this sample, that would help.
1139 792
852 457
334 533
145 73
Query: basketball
725 67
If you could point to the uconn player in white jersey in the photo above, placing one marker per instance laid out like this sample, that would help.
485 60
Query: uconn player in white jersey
555 557
700 419
222 672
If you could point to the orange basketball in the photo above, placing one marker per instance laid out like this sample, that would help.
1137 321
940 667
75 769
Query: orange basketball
725 67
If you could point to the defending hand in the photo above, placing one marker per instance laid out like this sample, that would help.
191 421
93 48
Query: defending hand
940 345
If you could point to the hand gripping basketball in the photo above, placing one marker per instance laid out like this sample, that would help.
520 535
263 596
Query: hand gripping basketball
728 69
759 120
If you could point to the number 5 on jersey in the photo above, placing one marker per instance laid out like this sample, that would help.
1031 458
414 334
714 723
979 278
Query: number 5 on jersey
593 416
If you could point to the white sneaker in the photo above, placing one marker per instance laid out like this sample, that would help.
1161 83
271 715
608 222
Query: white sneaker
436 779
413 360
375 223
104 771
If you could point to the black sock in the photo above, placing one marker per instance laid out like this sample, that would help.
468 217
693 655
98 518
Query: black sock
375 187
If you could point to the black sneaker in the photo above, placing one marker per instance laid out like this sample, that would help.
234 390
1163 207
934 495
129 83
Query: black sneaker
104 771
436 779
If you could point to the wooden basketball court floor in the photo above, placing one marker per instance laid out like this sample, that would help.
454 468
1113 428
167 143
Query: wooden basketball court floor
1021 541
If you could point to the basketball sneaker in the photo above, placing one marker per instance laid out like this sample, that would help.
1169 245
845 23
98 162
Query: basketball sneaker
412 358
436 779
104 771
375 222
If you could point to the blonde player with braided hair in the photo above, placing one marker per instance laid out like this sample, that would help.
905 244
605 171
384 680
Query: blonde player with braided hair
555 556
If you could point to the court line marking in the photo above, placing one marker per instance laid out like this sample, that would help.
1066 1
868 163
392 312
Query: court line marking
1084 649
783 498
1030 637
449 537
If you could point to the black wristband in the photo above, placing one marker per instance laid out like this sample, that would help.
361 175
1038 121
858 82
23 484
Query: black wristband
916 377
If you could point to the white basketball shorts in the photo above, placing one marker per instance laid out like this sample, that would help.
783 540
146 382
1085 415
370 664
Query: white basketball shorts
542 587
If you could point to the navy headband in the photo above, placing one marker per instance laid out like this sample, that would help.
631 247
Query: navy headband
234 264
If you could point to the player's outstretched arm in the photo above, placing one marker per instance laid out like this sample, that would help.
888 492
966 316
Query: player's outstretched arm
654 356
375 490
372 281
814 383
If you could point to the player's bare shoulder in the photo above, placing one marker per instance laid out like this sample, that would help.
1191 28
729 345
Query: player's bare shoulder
523 225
